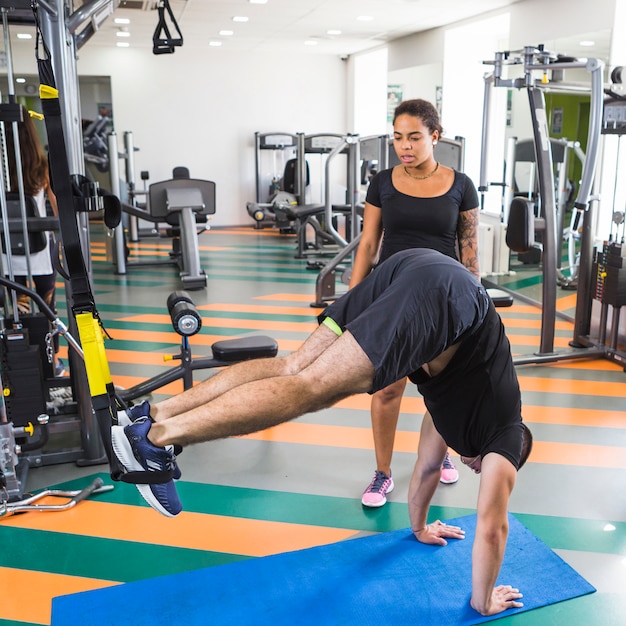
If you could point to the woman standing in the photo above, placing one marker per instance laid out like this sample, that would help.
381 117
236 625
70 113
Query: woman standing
417 204
36 182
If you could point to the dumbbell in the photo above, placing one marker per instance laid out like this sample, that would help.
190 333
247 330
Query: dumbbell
185 318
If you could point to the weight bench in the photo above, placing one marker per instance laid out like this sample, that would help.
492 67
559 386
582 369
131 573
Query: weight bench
500 298
187 322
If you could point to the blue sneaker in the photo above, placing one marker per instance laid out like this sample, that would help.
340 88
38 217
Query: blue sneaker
137 454
126 418
137 411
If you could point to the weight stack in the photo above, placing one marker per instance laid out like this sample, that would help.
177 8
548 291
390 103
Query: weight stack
38 326
615 279
22 380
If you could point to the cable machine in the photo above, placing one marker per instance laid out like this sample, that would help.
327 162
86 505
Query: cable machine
535 61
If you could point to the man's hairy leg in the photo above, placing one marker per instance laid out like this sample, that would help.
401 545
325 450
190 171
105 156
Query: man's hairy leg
245 372
341 370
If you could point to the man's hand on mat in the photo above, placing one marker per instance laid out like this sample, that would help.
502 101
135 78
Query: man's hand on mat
434 533
503 597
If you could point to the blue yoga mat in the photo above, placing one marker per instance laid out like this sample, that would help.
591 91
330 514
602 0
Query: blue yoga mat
387 579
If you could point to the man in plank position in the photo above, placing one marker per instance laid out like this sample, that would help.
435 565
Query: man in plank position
419 314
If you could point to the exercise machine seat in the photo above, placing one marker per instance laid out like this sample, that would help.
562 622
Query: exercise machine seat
245 348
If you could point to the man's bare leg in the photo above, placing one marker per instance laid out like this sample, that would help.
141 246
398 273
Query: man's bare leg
248 371
341 370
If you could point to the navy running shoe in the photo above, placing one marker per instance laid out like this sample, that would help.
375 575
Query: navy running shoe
126 418
137 411
137 454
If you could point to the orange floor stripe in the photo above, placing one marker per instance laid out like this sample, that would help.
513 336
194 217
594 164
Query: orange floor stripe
197 531
574 417
564 303
289 297
535 324
537 414
159 336
27 595
361 438
363 401
574 387
532 341
259 308
581 455
602 365
251 231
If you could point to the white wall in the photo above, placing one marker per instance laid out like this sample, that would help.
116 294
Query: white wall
369 93
201 109
464 88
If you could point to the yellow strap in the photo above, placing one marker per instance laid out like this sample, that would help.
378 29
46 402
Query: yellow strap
48 93
37 116
96 364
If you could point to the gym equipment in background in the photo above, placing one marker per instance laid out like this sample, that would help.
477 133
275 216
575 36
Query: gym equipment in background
373 154
537 61
520 180
277 184
31 503
182 203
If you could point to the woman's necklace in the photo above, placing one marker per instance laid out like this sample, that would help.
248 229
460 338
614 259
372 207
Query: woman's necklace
406 171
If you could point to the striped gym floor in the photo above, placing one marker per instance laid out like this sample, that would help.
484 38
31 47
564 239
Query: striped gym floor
298 485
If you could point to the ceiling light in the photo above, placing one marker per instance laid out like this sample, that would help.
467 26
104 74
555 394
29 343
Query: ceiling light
122 33
240 18
215 44
365 18
24 36
121 20
587 43
609 528
333 32
123 44
20 80
311 42
258 1
227 33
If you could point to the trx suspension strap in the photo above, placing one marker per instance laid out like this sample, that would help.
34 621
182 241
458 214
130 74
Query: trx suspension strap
70 193
162 40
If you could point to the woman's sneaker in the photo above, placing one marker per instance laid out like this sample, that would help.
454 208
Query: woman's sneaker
137 453
376 493
449 473
137 411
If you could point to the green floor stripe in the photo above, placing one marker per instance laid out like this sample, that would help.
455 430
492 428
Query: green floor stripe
131 281
8 622
335 512
139 346
606 609
521 283
60 553
566 533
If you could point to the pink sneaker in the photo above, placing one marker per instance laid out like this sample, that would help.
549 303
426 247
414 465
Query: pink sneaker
376 493
449 473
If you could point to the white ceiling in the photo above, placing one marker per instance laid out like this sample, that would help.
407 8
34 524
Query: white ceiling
286 25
